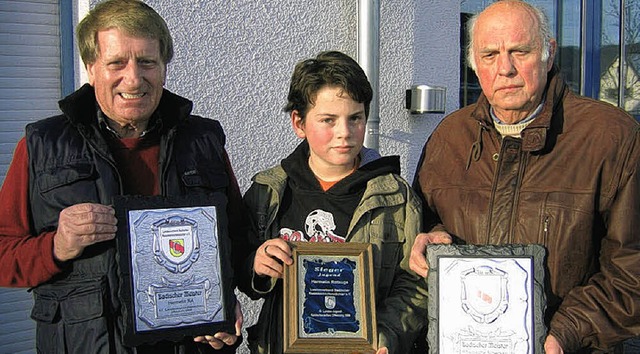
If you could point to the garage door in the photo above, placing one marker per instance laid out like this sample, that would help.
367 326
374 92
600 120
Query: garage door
29 90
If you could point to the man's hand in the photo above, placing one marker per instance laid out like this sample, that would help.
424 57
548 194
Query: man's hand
270 257
418 260
383 350
218 340
82 225
552 346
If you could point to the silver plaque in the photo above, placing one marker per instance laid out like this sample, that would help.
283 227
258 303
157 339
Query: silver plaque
486 299
175 267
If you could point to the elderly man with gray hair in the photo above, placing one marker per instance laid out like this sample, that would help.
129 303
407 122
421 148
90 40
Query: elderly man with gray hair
533 163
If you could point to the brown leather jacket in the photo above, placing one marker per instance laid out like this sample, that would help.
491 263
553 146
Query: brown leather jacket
571 183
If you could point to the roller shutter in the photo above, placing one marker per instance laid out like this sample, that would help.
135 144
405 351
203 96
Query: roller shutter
30 86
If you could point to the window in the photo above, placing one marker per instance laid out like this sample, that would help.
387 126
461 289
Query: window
620 55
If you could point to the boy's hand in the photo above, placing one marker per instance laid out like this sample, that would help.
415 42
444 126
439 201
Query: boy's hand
270 257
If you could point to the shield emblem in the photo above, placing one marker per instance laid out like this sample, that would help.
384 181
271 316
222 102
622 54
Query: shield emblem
176 243
330 302
484 293
176 247
176 250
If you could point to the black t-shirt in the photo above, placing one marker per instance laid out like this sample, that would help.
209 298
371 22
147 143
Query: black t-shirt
308 213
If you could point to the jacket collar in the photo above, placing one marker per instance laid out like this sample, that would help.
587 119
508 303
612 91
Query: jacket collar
535 135
80 108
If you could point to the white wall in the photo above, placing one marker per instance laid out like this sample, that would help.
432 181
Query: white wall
234 59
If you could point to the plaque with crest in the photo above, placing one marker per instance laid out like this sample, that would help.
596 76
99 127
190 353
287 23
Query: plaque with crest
329 299
486 299
173 259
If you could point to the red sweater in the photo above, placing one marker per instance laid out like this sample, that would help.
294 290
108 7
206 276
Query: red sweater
26 259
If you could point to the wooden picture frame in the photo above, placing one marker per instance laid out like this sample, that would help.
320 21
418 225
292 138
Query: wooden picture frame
173 258
329 299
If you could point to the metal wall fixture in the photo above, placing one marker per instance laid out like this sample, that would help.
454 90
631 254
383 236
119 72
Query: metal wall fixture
426 99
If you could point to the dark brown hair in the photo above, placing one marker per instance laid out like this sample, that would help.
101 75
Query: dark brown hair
331 68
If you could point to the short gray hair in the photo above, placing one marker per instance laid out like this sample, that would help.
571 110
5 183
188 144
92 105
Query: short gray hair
544 32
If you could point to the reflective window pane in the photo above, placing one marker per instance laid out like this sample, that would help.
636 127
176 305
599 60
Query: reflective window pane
568 54
632 55
610 52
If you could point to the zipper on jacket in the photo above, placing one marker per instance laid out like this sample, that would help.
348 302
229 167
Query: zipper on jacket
109 160
515 195
524 157
545 229
265 217
166 149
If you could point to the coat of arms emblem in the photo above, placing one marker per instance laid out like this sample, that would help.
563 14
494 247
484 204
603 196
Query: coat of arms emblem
330 302
175 243
484 293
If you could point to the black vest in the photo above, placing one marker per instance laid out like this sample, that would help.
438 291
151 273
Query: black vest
70 163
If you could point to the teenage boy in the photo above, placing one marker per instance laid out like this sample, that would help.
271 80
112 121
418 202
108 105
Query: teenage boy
332 189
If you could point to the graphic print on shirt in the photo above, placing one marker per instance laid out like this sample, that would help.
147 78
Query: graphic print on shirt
319 227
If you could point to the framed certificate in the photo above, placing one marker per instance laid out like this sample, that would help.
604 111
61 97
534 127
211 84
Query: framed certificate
486 299
173 258
329 304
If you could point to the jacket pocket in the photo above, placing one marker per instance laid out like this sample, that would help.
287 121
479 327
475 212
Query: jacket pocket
206 176
71 317
67 185
63 175
69 303
83 307
568 233
45 310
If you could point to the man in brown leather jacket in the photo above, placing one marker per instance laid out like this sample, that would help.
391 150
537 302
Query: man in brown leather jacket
531 162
